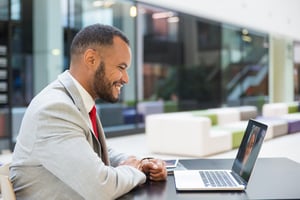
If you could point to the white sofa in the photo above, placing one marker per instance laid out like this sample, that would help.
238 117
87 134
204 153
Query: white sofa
197 133
285 111
185 134
279 109
274 109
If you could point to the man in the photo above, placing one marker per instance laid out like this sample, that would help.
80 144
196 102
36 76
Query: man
58 154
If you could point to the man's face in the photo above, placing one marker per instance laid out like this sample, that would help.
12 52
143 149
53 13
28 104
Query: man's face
105 88
111 74
250 144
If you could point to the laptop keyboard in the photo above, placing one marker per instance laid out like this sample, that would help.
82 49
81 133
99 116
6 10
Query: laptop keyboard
217 179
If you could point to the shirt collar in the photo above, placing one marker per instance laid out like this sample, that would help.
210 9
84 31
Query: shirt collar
88 101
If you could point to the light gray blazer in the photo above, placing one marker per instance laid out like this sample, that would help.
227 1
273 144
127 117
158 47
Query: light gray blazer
57 156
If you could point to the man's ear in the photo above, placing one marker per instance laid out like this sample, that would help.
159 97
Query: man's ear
90 57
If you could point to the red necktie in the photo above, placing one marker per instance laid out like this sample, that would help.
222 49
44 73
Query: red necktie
94 120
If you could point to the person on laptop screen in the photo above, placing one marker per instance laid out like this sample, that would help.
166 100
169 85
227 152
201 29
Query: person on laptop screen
248 154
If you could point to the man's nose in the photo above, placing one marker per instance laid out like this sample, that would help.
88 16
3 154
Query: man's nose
125 77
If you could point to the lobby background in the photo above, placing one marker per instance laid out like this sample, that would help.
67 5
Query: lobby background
187 55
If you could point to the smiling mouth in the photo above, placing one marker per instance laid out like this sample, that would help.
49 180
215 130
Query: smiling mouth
119 86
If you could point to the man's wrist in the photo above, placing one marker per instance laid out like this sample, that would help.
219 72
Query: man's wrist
143 161
147 158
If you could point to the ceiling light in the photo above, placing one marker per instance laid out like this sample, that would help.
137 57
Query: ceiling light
98 3
173 19
161 15
245 31
106 4
246 38
133 11
55 52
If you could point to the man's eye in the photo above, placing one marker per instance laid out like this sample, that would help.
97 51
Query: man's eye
122 67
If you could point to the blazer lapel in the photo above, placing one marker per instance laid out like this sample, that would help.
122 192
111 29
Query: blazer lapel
101 148
102 140
74 94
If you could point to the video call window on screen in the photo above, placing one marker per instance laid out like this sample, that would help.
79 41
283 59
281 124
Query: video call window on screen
247 155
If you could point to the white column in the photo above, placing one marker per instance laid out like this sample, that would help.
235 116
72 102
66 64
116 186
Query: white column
128 27
48 42
140 23
281 84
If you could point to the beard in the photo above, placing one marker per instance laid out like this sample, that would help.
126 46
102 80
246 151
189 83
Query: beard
102 86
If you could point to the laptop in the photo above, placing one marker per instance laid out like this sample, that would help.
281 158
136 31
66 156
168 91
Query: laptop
235 179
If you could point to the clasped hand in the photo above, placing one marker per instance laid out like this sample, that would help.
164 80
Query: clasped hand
155 169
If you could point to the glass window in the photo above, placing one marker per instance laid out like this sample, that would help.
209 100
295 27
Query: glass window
161 56
297 70
4 9
15 9
244 66
181 62
11 61
199 63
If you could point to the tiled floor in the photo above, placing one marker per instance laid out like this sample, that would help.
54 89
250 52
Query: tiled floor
284 146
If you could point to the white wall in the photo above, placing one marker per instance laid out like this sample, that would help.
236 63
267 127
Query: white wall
277 17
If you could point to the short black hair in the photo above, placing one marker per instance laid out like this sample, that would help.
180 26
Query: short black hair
95 35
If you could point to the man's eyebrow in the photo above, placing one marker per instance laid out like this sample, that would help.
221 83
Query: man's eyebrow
123 64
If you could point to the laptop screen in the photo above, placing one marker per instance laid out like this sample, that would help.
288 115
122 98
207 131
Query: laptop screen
249 149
